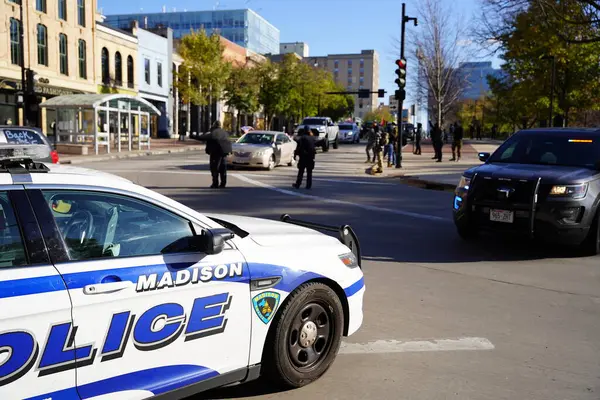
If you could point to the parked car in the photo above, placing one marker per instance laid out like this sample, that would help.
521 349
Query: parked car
349 133
263 149
23 135
324 129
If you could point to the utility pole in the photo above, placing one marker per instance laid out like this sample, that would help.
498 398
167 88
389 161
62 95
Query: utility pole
552 88
401 81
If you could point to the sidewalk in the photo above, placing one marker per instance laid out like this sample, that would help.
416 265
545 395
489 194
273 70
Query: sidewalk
424 172
157 147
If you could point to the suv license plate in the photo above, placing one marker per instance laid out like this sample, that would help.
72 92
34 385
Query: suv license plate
502 216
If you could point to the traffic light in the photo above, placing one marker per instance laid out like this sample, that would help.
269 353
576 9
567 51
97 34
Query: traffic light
400 95
401 73
30 81
381 93
364 94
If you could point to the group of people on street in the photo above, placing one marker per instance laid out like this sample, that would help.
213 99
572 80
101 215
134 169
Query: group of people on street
437 141
381 143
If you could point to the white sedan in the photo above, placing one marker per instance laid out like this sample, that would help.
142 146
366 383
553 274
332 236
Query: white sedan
109 290
263 149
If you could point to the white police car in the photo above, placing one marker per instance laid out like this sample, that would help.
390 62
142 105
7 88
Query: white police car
109 290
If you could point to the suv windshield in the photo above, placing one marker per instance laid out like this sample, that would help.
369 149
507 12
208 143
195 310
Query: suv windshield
346 127
550 148
314 121
257 138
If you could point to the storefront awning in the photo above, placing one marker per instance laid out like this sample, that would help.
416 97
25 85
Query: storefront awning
93 101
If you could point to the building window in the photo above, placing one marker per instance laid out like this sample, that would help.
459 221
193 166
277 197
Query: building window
336 63
349 63
130 79
362 62
105 66
42 44
15 41
81 12
62 9
159 74
349 71
118 69
82 59
362 70
40 5
362 80
63 49
147 70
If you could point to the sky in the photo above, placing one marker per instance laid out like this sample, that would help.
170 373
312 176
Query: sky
327 26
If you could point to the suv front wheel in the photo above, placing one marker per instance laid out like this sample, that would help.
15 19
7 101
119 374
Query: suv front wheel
591 245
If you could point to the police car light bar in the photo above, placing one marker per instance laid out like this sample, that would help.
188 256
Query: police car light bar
24 152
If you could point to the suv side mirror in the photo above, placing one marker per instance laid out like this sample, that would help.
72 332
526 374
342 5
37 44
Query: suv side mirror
483 157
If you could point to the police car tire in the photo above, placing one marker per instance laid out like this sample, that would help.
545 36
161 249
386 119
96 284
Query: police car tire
467 233
591 245
277 365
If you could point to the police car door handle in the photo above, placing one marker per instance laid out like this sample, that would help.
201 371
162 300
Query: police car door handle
109 287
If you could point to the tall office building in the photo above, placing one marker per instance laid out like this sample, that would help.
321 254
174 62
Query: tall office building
354 72
474 75
242 27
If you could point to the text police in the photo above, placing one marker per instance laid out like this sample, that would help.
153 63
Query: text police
21 349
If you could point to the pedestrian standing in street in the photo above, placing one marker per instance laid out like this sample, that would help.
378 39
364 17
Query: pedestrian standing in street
457 141
494 131
418 138
378 147
371 138
218 146
392 139
438 142
306 152
478 131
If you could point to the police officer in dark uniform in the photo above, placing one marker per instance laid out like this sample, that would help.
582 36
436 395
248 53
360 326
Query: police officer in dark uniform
305 151
218 146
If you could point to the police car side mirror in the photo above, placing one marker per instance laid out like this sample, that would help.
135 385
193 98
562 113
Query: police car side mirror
483 157
213 240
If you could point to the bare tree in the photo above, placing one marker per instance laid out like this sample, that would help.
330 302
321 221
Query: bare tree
439 48
573 21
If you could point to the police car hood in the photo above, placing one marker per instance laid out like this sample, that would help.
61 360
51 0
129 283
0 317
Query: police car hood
270 233
548 173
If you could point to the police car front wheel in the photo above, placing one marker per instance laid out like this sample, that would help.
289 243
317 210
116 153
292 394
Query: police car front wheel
305 338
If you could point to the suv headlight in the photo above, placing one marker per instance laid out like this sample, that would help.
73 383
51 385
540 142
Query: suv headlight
572 191
464 183
321 129
349 260
261 153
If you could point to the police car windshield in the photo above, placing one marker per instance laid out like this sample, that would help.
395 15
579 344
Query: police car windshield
257 138
551 148
314 121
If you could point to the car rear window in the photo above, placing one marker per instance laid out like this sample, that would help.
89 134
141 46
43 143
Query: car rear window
22 136
567 149
314 121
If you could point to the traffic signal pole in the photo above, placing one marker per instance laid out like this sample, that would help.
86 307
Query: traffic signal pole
400 98
401 81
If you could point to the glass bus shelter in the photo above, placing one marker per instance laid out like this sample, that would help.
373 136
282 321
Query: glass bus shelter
114 121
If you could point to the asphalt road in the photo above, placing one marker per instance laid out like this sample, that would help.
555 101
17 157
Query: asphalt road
494 319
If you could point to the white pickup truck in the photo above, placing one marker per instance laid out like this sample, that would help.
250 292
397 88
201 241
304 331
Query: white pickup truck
324 129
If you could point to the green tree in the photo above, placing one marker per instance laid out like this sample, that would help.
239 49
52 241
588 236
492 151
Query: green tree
527 44
203 74
379 115
242 90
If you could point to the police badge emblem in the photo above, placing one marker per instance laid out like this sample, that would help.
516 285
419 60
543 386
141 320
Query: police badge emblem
265 305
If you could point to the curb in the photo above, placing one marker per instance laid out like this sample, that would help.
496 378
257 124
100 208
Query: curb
117 156
425 184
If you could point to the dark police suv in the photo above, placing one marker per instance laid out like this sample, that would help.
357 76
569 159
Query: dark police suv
544 183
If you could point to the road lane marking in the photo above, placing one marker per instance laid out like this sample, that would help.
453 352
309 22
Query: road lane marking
395 346
282 176
302 195
340 202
